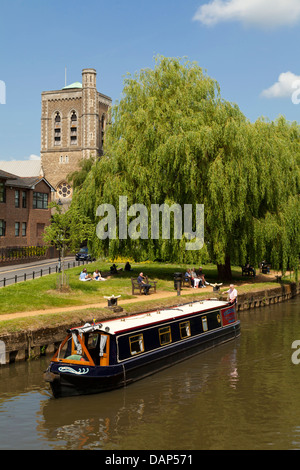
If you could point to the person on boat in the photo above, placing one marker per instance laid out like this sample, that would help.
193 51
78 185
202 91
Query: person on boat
232 293
97 276
142 282
84 276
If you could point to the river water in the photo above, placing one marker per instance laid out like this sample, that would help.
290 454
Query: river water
241 395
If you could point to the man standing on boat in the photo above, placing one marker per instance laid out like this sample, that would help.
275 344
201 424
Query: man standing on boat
232 293
144 284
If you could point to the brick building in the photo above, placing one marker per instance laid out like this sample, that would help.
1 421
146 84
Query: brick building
24 211
73 122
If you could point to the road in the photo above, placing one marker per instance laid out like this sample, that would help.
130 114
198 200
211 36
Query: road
22 272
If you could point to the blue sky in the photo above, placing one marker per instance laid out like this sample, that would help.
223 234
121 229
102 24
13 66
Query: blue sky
251 47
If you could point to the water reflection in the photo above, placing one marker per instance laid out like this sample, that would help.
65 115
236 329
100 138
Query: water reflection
242 395
145 415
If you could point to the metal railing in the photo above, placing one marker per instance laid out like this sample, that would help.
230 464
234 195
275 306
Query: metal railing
39 273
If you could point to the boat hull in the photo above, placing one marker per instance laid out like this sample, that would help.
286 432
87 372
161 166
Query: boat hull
72 380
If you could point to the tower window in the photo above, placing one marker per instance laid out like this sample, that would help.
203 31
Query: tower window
103 121
73 116
57 129
73 129
57 136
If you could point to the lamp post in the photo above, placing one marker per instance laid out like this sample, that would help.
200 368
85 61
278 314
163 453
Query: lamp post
59 241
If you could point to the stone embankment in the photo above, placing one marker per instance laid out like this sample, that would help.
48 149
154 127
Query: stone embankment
25 345
268 297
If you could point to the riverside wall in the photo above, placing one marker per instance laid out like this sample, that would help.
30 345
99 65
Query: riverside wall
28 344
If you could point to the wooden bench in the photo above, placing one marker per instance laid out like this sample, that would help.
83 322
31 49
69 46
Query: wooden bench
139 287
248 271
186 282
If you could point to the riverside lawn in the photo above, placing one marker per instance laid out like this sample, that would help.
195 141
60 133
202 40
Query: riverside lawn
42 293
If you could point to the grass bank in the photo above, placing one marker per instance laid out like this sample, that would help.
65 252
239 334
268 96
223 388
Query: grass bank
42 294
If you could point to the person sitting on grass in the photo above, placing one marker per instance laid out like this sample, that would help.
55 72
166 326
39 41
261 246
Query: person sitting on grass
97 276
128 267
84 276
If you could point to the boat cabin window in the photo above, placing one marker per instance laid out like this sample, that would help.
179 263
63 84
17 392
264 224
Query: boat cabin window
185 329
165 335
71 350
92 340
204 324
136 344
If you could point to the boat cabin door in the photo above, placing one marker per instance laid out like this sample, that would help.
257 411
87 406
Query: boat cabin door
104 350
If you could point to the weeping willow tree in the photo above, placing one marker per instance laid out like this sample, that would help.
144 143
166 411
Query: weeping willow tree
174 140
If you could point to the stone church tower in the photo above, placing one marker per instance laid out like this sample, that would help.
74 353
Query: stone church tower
73 123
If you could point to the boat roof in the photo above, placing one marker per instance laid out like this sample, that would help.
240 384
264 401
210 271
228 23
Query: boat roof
141 320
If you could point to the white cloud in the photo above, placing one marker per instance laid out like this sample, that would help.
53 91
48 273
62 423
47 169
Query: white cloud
285 87
34 157
261 13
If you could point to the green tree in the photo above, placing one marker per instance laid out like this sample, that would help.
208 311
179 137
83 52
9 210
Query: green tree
78 177
173 139
67 231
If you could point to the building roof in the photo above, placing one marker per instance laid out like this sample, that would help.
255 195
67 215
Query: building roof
5 175
73 85
27 182
22 168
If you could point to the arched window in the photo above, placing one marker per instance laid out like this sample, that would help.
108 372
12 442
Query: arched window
73 128
73 117
57 129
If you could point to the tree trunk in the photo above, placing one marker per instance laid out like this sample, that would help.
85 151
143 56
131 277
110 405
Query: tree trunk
224 270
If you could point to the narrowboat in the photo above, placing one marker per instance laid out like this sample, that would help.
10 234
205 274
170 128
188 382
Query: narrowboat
99 357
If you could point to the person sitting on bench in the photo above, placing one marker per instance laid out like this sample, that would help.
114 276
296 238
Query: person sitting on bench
146 287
